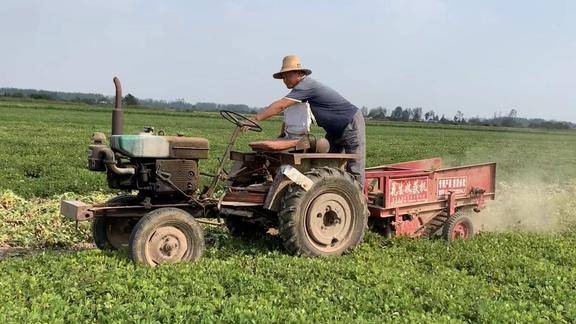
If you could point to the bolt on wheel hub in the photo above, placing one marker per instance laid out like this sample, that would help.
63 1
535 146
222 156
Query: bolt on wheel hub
329 221
167 244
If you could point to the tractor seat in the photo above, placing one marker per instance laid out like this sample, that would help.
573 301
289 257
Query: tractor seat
277 145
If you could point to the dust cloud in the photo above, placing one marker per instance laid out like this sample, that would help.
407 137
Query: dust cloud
533 194
532 206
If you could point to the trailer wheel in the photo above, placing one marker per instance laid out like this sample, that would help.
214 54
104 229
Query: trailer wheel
114 233
458 226
327 220
166 235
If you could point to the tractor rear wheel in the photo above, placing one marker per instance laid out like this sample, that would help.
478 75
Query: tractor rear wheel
327 220
458 226
166 235
114 233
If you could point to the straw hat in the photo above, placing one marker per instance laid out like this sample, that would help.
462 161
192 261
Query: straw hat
290 63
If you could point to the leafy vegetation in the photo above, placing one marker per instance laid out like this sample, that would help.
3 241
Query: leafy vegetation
43 145
496 277
493 278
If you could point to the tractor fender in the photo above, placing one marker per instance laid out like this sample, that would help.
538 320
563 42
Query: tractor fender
287 175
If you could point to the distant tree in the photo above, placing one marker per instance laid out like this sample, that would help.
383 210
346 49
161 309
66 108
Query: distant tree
130 100
429 116
364 111
41 96
377 113
406 114
417 114
459 117
397 113
513 113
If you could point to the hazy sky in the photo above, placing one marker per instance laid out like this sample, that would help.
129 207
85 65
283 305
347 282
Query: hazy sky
479 57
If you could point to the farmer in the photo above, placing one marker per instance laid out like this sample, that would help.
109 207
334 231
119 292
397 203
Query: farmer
342 121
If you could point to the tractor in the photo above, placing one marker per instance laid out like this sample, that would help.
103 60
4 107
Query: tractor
292 187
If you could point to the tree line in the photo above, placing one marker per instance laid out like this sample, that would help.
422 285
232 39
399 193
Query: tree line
511 119
129 100
417 114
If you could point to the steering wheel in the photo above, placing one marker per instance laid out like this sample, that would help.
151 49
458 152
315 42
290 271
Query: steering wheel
240 120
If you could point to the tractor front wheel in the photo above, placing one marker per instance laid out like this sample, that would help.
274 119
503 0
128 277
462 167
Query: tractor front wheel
458 226
114 233
166 235
327 220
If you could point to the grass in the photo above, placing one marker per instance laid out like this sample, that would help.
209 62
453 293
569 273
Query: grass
43 145
496 277
510 277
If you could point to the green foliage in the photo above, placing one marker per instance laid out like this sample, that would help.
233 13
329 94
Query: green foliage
493 278
45 156
506 277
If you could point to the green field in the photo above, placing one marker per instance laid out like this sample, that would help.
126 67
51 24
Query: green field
511 276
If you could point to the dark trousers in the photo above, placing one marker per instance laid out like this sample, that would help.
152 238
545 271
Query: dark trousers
352 140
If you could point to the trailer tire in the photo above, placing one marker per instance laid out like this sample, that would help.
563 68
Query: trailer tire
114 233
327 220
166 235
458 226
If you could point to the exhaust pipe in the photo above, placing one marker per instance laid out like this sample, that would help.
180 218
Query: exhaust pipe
117 116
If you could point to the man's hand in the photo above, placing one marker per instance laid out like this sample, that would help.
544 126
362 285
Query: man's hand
246 125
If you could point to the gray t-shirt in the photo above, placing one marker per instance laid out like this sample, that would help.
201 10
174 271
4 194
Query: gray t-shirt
332 111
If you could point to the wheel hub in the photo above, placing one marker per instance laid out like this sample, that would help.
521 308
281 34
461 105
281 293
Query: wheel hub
167 244
329 221
460 231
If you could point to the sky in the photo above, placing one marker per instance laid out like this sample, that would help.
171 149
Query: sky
479 57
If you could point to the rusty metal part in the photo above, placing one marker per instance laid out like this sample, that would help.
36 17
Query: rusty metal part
76 210
110 160
299 158
220 173
207 222
167 244
241 196
117 115
120 171
329 222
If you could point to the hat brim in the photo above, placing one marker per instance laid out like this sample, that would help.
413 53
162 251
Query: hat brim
278 75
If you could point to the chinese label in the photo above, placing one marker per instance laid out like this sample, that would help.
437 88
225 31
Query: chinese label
408 190
457 185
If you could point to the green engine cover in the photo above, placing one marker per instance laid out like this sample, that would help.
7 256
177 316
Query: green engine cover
141 146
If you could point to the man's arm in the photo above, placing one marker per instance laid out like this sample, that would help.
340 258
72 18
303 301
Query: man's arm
274 109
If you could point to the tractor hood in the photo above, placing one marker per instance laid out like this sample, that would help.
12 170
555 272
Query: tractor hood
154 146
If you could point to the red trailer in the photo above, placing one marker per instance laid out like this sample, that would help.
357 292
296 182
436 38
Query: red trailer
421 198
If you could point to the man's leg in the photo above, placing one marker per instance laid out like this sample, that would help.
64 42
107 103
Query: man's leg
335 145
353 140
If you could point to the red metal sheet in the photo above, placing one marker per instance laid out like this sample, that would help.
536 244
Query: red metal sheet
456 185
407 190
